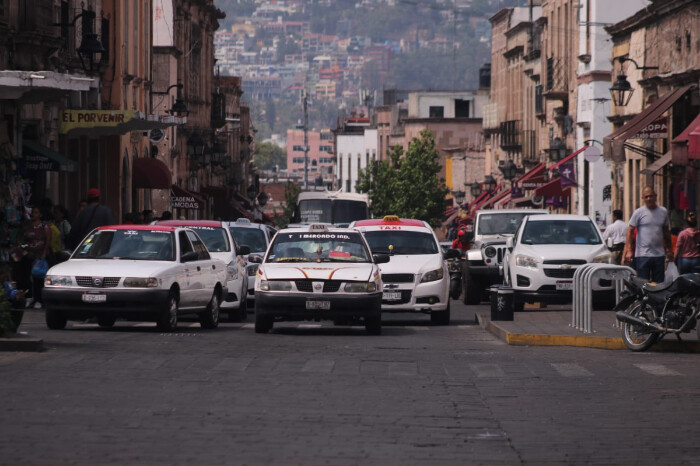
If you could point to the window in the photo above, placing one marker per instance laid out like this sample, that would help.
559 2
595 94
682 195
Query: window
436 112
461 108
297 148
202 253
185 245
326 136
325 148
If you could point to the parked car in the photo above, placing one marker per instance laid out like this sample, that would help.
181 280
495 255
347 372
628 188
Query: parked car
221 245
136 272
482 267
544 253
257 237
319 273
416 278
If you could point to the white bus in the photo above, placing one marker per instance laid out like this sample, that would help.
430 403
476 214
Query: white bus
334 207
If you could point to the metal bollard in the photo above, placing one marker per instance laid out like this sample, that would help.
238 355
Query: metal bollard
581 317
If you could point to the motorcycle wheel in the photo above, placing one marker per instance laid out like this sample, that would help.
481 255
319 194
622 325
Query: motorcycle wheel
455 288
635 337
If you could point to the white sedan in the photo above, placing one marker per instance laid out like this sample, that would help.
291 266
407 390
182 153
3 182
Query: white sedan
544 253
136 272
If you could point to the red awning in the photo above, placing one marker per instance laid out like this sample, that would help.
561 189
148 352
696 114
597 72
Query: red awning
225 206
694 144
613 144
505 200
532 178
551 189
496 198
150 173
485 199
567 158
680 147
182 199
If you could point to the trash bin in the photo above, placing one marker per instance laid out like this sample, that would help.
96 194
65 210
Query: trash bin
501 303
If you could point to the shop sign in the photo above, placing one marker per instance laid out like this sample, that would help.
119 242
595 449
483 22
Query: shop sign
74 119
657 129
183 201
40 163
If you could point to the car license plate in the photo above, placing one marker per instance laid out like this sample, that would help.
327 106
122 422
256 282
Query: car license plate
94 298
565 286
318 304
391 295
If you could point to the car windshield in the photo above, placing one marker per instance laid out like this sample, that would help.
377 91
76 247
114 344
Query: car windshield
215 239
254 238
150 245
560 232
500 223
402 242
318 247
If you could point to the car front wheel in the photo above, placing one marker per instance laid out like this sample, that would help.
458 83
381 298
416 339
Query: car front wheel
441 317
55 320
167 321
210 317
263 324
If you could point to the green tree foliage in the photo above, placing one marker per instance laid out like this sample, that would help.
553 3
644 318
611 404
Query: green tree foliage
408 184
267 155
291 194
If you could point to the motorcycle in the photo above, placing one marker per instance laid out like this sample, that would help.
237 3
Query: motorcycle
649 312
454 266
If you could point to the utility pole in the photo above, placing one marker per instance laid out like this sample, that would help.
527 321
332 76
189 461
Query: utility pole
306 140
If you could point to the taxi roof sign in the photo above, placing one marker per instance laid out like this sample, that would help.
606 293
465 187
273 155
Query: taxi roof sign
391 218
243 221
318 227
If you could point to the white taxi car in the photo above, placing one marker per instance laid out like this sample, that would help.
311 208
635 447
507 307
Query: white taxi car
416 278
136 272
319 273
544 253
221 245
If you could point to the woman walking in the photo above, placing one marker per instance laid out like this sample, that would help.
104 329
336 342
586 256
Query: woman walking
688 246
36 234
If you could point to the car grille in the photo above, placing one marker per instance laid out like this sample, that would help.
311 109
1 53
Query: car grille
306 286
500 252
565 261
107 282
398 277
559 273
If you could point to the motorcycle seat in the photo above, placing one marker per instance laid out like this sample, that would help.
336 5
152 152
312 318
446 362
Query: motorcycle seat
653 287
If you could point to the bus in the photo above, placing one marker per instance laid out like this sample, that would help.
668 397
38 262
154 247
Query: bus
333 207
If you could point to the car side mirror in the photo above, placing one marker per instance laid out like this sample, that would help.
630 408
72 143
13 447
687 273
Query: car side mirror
509 244
609 243
381 258
254 259
189 257
452 253
243 250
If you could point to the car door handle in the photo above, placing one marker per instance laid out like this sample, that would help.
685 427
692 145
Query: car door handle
199 269
213 267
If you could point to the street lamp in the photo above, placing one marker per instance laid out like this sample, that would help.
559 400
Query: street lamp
195 145
489 183
621 90
89 43
509 170
459 196
475 189
179 108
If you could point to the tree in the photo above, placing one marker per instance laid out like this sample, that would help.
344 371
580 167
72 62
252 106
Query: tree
408 184
267 155
291 194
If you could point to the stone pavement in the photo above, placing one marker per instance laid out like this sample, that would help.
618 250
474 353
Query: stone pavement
552 327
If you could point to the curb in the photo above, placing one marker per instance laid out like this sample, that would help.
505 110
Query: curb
21 343
529 339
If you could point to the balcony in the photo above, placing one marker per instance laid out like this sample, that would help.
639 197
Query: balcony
490 118
511 135
557 84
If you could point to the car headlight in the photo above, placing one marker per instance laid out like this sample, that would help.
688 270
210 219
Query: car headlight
525 261
137 282
490 251
604 259
232 271
360 287
58 280
252 269
432 276
275 285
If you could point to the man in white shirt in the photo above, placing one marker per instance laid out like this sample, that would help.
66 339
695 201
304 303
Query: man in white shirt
617 231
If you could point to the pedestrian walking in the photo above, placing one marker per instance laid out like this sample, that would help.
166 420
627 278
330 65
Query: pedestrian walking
60 219
617 231
653 242
688 246
93 216
36 234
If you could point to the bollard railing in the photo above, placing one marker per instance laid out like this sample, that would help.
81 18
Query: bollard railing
581 316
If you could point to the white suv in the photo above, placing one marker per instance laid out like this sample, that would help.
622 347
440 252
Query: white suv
416 278
544 253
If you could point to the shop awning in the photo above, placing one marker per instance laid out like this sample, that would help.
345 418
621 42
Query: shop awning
182 199
552 189
40 158
483 201
657 165
694 145
613 144
111 122
492 202
567 158
151 173
505 200
680 146
532 178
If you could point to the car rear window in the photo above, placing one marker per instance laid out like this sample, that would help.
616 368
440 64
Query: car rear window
254 238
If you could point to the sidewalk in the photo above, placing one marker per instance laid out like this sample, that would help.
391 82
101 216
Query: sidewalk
552 327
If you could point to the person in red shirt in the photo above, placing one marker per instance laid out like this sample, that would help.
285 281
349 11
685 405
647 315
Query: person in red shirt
461 242
687 248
